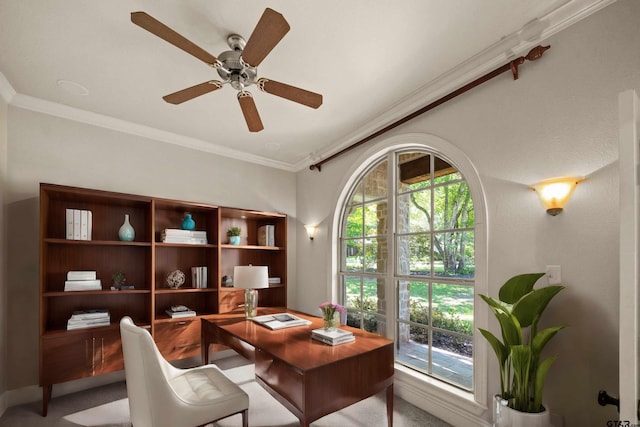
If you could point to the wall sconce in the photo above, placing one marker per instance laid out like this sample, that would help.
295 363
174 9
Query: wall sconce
554 193
312 230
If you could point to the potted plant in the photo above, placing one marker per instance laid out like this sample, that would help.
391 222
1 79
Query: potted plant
118 279
234 235
522 372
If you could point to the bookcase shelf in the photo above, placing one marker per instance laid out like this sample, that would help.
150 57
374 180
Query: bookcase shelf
146 261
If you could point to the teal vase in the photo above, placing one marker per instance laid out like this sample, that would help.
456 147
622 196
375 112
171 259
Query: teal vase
126 233
188 223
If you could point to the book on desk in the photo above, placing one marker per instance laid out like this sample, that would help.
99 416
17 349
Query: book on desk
280 321
335 337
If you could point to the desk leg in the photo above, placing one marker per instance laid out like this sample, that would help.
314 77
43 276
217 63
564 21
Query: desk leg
390 405
204 342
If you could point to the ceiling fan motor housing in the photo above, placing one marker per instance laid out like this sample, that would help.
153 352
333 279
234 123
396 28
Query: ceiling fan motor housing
234 70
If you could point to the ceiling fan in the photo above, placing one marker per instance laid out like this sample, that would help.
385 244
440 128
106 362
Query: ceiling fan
237 67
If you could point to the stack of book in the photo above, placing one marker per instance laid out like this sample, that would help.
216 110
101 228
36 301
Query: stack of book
79 224
199 277
190 237
82 281
94 318
335 337
266 235
180 311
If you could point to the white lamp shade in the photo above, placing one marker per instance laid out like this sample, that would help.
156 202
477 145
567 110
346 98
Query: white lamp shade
250 277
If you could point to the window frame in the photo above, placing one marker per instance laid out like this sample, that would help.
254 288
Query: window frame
412 385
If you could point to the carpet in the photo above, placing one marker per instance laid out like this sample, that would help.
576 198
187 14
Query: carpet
265 411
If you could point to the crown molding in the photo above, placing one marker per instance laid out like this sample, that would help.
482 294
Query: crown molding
100 120
563 14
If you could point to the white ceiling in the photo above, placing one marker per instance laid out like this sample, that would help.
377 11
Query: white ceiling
372 60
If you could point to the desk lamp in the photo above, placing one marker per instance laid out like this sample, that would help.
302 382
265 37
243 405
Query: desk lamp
250 278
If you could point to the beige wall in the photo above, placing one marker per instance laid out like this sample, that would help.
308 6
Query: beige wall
559 118
42 148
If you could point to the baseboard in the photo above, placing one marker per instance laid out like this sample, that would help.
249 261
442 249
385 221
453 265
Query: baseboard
437 407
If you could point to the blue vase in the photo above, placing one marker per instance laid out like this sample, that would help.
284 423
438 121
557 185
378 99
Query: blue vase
188 223
234 240
126 233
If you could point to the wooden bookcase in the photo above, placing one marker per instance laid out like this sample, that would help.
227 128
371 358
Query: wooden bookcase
71 354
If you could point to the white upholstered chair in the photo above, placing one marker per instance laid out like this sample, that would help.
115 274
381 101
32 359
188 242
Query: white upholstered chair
161 395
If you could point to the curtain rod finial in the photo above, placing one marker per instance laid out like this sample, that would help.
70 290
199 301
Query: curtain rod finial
536 52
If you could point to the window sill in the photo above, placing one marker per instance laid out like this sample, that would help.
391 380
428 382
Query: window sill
451 404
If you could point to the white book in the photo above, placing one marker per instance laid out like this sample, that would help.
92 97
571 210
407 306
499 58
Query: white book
99 313
89 224
199 277
178 314
83 285
205 276
76 224
274 280
89 321
186 240
183 233
266 235
86 326
84 229
332 335
81 275
334 342
69 227
280 321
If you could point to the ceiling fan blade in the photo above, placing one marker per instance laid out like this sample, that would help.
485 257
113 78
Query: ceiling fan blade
292 93
270 29
191 92
250 111
156 27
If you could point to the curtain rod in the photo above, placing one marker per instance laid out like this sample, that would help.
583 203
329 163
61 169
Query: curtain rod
513 65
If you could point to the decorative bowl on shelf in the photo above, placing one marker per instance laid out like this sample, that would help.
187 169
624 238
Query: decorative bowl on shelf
175 279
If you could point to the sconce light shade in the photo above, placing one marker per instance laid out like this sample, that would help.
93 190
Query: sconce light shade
554 193
312 230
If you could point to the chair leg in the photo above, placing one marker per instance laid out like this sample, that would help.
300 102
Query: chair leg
245 418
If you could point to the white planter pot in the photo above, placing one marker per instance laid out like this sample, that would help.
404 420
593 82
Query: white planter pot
503 416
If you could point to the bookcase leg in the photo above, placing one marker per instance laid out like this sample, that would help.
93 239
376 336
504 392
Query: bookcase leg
46 395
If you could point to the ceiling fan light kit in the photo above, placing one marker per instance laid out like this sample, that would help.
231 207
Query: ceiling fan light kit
236 67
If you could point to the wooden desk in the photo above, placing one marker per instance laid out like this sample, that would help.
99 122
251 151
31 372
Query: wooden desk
309 378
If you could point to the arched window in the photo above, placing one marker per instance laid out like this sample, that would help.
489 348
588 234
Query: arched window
408 260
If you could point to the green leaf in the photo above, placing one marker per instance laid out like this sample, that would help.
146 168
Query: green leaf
533 304
542 338
521 362
500 349
518 286
511 331
541 373
502 352
494 305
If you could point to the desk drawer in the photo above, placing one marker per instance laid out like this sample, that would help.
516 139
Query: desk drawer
179 339
281 377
